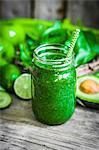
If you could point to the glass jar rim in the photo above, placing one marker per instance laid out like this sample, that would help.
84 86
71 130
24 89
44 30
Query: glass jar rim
57 63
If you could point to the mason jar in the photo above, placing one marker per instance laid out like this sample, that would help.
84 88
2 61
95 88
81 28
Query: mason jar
53 84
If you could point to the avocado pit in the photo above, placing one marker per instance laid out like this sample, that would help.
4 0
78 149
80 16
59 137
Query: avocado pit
89 86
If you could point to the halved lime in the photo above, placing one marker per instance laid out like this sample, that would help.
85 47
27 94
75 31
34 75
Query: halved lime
5 99
22 86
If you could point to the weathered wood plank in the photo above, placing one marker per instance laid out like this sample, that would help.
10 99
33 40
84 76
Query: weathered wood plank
15 8
13 146
88 68
85 10
20 130
49 9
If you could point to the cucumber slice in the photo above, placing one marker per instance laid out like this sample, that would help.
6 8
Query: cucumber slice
22 86
1 88
5 100
96 74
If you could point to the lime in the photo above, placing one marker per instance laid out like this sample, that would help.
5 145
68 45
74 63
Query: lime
13 33
5 99
22 86
7 51
8 75
3 62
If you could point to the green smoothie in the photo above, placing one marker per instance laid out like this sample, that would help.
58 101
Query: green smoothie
53 84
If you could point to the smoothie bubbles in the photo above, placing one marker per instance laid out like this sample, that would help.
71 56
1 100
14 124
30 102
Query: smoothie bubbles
54 82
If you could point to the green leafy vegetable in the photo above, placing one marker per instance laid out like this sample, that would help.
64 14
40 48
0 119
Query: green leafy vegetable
25 56
85 49
54 34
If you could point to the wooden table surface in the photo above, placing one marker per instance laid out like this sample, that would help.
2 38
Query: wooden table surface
19 130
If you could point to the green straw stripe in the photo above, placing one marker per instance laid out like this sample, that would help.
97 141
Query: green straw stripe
73 42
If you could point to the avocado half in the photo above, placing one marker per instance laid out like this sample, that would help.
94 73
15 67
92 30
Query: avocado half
87 98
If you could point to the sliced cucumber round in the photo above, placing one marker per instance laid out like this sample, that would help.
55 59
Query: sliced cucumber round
1 88
96 74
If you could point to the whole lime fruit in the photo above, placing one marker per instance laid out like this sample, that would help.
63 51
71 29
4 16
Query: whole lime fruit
3 62
7 50
13 33
8 74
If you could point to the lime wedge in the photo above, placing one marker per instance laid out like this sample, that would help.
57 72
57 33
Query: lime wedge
22 86
5 99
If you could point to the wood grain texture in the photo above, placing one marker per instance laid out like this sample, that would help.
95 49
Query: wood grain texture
49 9
19 130
88 68
15 8
85 10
